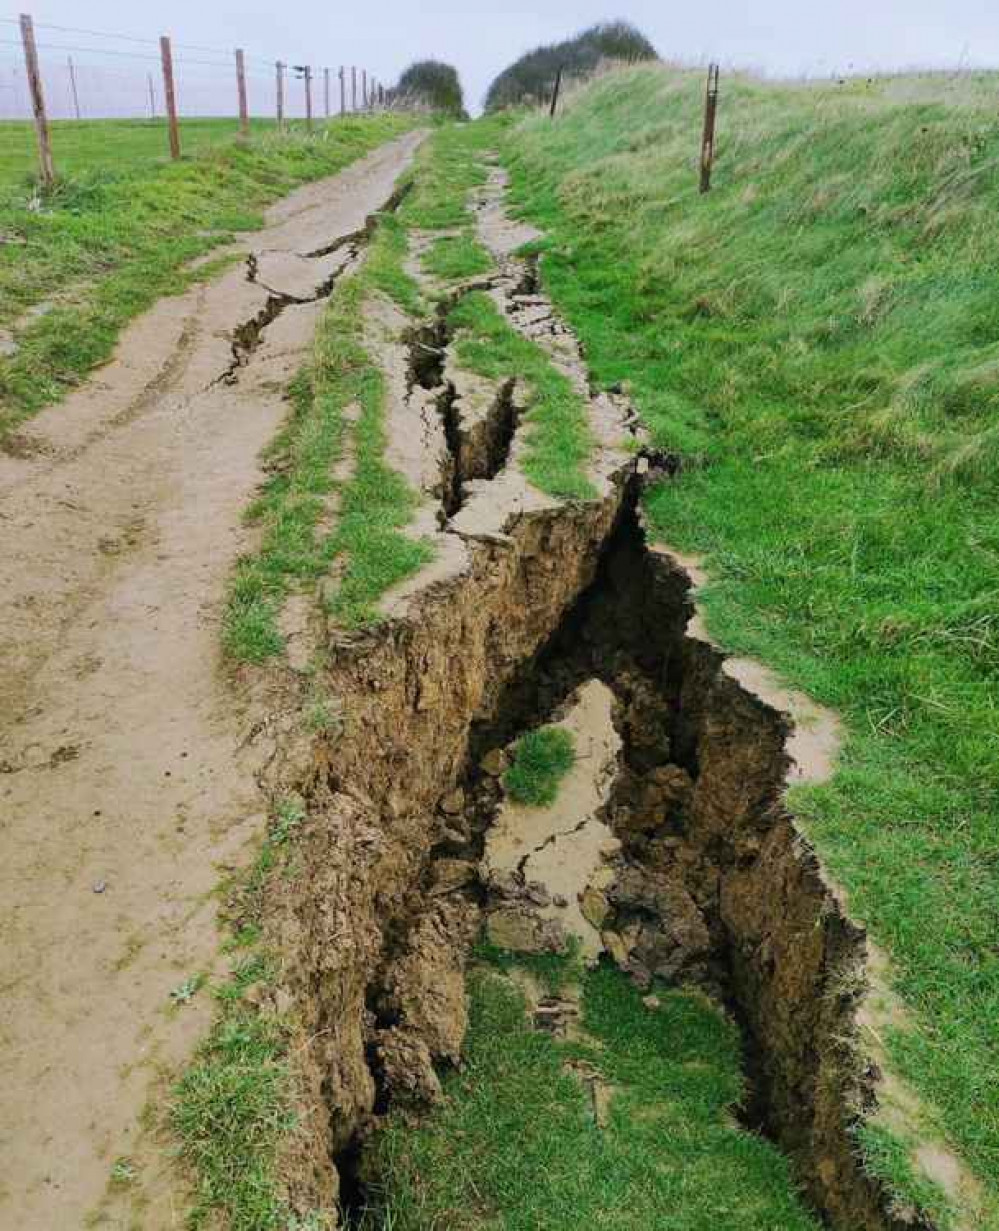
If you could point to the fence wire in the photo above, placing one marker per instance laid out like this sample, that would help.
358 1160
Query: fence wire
90 75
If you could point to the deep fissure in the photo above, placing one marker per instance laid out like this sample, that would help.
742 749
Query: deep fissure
697 843
713 885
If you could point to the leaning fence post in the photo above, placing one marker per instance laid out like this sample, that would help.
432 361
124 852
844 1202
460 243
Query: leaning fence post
708 135
279 69
558 84
169 97
72 82
37 100
244 113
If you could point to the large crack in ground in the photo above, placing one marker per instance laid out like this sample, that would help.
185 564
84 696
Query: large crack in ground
307 278
705 880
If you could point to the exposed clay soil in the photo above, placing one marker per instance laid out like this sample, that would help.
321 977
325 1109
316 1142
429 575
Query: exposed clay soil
534 610
125 782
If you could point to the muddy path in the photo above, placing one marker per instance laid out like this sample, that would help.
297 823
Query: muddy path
124 781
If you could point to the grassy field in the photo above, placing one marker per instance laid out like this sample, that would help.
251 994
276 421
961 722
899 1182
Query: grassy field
818 339
106 243
80 147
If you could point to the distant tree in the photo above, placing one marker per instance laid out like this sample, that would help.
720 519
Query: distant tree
430 84
530 78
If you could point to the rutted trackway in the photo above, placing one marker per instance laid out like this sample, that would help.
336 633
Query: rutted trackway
122 783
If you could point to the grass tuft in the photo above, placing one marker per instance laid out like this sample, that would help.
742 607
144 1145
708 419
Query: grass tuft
541 759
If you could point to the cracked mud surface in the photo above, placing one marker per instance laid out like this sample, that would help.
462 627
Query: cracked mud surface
123 786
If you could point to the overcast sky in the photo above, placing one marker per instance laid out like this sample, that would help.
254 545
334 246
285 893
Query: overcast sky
480 38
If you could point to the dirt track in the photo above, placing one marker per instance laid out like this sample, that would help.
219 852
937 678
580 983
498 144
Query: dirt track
122 787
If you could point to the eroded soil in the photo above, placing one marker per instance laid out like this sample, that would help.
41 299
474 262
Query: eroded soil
535 606
125 780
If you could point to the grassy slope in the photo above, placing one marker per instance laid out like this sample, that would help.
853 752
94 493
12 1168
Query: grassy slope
822 331
108 243
515 1144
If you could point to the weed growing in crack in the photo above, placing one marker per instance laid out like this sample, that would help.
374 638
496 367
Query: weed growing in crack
123 1172
186 991
541 759
290 815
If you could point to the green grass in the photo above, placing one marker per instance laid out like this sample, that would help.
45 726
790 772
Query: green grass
375 502
454 257
515 1145
233 1108
819 338
84 146
558 442
541 759
110 240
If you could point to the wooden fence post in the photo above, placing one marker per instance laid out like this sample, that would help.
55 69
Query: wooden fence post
244 112
279 69
708 136
558 86
152 96
364 89
326 91
170 98
353 89
343 93
308 95
72 82
37 100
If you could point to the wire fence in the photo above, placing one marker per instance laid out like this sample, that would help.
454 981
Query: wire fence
56 80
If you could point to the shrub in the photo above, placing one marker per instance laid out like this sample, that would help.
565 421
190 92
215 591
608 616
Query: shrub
431 84
530 78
